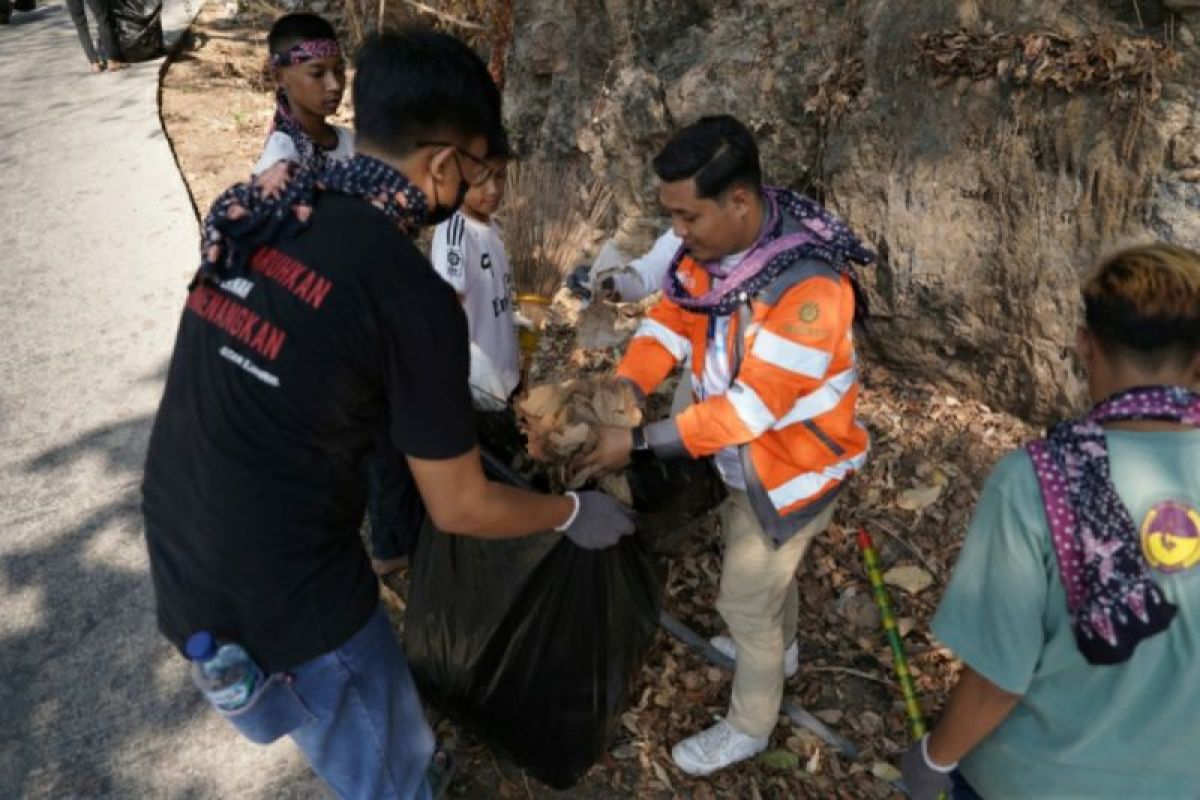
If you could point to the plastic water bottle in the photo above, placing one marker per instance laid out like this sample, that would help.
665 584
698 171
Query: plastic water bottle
225 673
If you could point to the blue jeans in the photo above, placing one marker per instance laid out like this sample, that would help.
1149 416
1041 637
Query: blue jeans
355 714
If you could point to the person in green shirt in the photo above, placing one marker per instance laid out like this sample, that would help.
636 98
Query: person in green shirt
1075 602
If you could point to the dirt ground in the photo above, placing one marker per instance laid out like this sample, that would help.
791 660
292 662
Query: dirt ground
931 452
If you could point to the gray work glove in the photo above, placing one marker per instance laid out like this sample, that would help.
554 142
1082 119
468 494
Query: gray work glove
922 779
579 281
599 522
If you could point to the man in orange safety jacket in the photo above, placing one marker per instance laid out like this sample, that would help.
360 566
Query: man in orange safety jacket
761 300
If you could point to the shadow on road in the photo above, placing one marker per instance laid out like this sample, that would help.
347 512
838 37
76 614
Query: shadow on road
82 688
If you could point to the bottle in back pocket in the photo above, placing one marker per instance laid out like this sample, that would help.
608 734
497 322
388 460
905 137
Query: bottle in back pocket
224 672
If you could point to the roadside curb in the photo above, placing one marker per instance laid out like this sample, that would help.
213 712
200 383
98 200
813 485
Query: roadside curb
173 42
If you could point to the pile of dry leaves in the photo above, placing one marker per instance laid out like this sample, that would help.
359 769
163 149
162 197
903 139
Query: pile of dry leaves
836 89
559 421
1128 67
931 453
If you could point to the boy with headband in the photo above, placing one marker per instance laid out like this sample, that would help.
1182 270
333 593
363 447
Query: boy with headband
310 73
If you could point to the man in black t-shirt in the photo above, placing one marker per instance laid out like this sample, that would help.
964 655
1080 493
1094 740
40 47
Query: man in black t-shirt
314 327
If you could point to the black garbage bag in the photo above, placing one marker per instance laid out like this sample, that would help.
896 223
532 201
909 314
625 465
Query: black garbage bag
671 495
139 28
531 642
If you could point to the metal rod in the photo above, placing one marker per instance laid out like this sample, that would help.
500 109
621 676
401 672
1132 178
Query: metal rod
793 711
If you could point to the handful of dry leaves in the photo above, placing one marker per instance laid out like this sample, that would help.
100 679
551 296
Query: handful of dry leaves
560 421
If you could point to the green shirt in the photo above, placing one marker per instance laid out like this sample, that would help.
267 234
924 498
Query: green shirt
1130 730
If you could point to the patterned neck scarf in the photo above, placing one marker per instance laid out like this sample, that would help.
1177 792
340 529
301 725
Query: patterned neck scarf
311 154
244 218
821 236
1112 601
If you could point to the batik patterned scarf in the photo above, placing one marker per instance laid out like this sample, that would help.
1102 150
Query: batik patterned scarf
311 154
1112 600
821 236
246 217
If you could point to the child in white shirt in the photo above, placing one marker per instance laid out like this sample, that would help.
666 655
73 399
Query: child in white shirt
310 72
469 254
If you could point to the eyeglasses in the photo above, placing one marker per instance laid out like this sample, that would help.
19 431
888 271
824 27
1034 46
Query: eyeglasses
479 171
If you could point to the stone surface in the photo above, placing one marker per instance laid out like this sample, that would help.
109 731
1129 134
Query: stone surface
986 203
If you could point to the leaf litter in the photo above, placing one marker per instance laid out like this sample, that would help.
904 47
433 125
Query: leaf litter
930 454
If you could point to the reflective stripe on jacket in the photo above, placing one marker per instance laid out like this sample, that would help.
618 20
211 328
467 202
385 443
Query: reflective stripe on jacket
791 407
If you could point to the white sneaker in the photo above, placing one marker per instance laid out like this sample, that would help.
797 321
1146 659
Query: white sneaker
791 657
716 748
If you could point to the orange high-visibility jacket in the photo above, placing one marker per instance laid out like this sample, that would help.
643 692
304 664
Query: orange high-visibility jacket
791 406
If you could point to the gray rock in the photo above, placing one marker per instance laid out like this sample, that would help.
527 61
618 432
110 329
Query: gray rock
986 206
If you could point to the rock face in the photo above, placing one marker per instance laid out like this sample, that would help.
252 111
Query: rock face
986 195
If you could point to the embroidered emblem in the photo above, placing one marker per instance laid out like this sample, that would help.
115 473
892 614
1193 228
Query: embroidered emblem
809 312
1171 537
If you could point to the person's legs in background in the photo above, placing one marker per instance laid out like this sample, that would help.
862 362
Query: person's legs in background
75 9
106 30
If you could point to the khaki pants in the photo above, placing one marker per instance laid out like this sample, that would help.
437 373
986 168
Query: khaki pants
759 602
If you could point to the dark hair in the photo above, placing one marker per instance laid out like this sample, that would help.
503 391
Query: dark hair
499 145
416 82
1145 303
718 152
292 29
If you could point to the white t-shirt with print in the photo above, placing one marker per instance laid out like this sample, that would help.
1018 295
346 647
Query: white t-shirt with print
470 256
280 147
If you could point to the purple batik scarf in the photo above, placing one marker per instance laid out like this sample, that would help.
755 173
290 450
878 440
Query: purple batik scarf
1112 601
246 216
821 236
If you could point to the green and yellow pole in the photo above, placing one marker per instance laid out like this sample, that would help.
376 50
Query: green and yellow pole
912 707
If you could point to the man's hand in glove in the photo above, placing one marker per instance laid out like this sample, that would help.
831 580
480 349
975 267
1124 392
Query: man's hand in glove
579 281
924 779
599 521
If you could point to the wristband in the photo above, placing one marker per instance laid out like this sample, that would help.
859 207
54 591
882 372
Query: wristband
638 435
574 513
929 762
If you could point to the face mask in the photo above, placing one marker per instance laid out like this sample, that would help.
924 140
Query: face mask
439 213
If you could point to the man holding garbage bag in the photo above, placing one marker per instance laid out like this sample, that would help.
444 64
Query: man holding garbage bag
761 298
313 326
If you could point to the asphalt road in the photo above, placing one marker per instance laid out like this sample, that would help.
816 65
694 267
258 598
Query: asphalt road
97 241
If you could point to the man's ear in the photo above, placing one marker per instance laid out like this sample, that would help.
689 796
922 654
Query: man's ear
740 199
441 163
